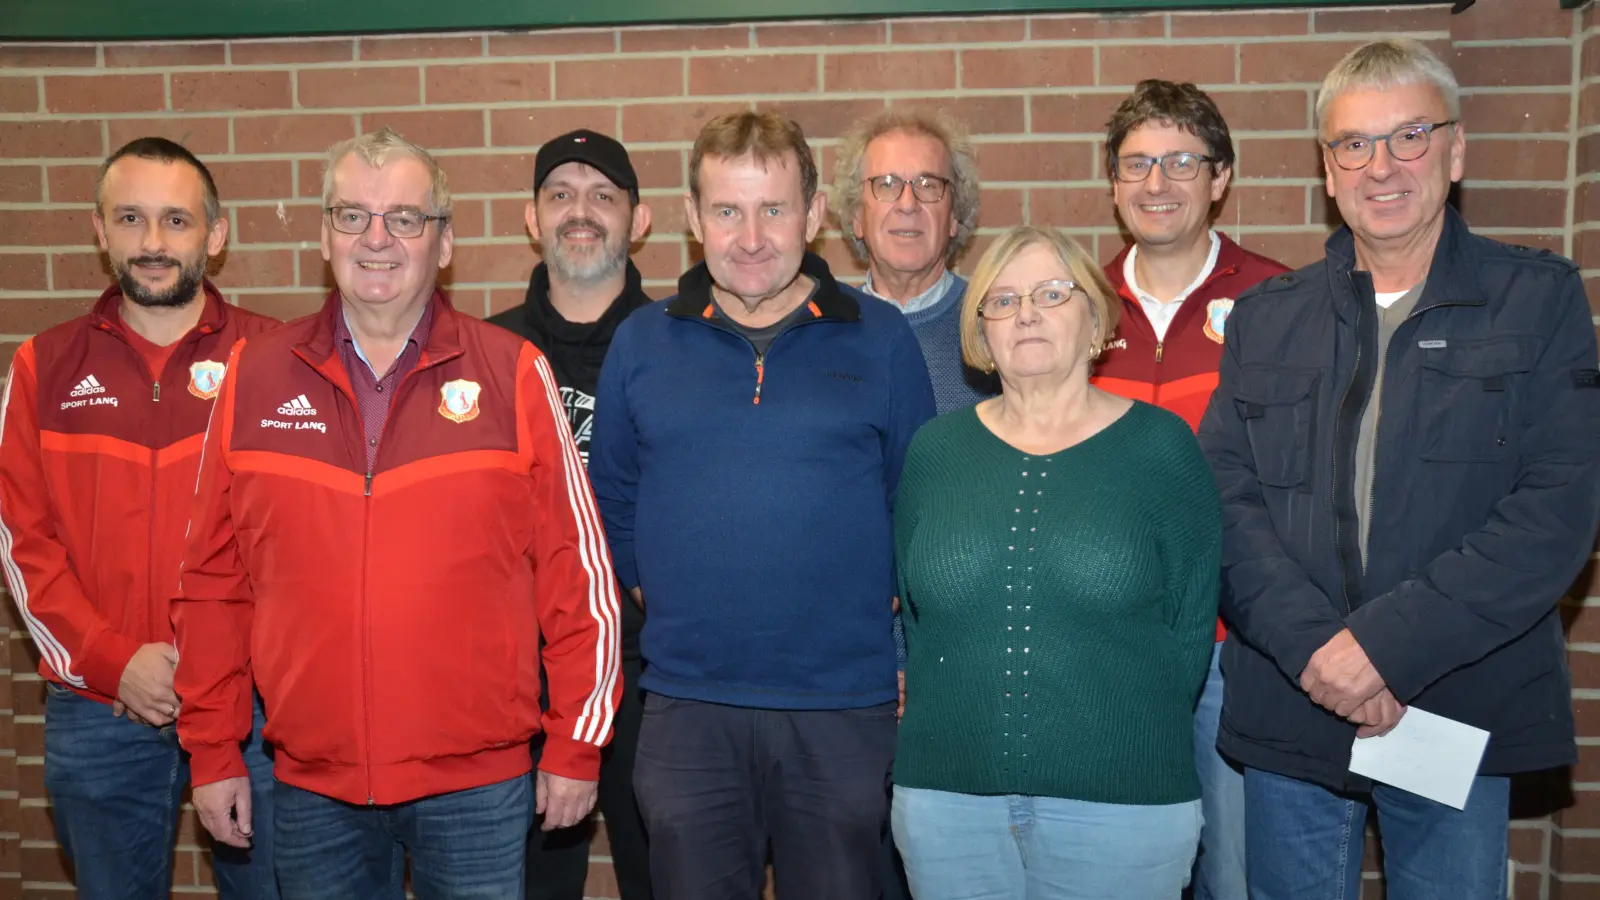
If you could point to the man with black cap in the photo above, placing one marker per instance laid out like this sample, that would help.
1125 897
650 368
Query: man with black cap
585 213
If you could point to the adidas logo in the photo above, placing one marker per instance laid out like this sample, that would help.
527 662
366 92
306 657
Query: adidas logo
299 406
86 387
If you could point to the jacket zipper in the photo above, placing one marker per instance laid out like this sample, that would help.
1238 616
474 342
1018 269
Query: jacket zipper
1333 483
761 373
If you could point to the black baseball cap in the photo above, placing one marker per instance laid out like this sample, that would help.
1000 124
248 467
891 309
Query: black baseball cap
602 152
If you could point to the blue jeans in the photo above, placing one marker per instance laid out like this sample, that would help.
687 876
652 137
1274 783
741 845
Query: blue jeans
1219 873
464 845
115 787
1306 841
1011 847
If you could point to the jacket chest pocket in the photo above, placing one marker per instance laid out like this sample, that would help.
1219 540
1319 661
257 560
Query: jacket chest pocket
1467 395
1279 408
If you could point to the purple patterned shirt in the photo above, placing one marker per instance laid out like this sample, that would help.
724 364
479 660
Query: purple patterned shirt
373 393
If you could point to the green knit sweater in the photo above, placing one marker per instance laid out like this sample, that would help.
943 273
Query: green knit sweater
1060 610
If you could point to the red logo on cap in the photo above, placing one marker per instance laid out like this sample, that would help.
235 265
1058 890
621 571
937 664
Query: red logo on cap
579 140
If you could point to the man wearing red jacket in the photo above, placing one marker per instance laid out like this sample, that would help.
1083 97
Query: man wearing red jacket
100 437
390 513
1170 157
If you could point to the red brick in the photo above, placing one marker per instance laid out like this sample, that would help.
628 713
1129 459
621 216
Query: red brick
1251 24
787 73
281 305
1574 890
1027 67
375 86
31 316
657 169
481 263
1204 64
1508 66
314 271
1499 20
19 94
1527 845
1585 809
433 46
1075 113
433 128
675 39
257 180
1487 207
1256 205
1002 207
21 272
47 227
1585 669
298 133
495 173
467 219
103 93
75 138
202 136
1036 161
1097 27
953 31
1517 160
823 34
44 864
663 259
21 184
608 78
1578 855
276 224
1292 248
1386 22
500 300
489 83
989 114
297 50
1519 113
256 268
34 56
554 43
79 272
824 118
29 736
661 122
1264 110
165 56
249 89
1590 60
1588 153
903 71
532 126
1279 158
1072 207
508 222
1290 61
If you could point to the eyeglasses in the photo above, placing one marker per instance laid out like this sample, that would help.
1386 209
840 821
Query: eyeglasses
1408 142
927 188
1176 166
401 223
1047 295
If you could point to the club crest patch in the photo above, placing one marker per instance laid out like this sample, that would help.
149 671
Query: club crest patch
205 378
1217 317
458 400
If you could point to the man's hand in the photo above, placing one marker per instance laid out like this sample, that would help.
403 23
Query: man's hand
894 605
900 711
1378 716
224 808
146 688
1340 677
562 801
638 596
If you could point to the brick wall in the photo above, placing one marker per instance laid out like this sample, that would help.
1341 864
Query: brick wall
1036 91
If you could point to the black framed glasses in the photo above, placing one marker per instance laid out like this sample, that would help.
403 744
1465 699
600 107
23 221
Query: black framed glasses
401 223
927 188
1175 166
1047 295
1406 143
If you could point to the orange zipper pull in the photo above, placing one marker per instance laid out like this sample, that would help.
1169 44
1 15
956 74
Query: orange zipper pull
761 373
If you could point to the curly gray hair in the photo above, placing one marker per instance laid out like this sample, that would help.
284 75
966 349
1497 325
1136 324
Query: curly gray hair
847 179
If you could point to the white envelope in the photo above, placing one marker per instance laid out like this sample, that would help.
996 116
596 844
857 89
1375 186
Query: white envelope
1425 754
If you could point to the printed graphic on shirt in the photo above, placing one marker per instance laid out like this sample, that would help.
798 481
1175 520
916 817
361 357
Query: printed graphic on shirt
88 392
458 400
297 407
205 378
1217 317
580 415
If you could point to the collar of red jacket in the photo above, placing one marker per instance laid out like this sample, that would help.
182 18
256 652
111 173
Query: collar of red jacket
1230 257
444 338
213 316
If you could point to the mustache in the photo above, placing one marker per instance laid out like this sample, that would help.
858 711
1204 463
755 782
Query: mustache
572 225
153 261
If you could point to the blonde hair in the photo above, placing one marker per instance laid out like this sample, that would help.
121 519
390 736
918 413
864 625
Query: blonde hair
1386 64
1080 266
768 136
375 148
847 178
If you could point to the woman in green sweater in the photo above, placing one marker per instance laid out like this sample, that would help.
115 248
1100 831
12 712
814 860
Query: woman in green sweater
1058 550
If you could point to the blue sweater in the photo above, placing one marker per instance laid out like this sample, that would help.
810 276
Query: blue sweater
760 532
938 330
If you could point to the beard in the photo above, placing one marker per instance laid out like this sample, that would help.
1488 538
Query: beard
182 291
590 264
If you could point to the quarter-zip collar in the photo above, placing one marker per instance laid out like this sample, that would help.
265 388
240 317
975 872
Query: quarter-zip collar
106 315
829 301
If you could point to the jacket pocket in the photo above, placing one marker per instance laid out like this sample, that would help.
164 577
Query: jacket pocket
1279 407
1467 393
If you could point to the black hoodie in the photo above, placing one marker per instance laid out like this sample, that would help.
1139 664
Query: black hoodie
575 351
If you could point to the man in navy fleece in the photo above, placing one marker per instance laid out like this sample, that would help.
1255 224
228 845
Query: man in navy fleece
749 435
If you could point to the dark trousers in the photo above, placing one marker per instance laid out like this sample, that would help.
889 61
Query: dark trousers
558 861
719 786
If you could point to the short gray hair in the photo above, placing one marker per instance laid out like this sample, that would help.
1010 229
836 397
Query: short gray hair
1386 64
847 179
375 148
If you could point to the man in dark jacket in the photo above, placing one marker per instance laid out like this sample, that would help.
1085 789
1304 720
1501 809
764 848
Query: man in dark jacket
1404 439
586 214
